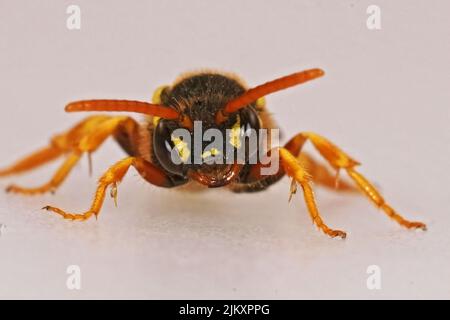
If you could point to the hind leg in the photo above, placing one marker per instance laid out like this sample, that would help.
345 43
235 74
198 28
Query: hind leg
86 137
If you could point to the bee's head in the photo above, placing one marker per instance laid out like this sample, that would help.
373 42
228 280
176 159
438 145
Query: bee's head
207 152
202 148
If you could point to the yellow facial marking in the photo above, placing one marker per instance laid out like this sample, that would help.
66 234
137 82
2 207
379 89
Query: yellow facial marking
235 134
182 148
212 152
155 120
156 99
261 102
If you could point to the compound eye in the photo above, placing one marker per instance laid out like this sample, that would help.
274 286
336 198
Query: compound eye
244 134
250 118
171 150
246 125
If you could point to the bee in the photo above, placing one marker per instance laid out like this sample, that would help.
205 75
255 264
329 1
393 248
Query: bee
217 101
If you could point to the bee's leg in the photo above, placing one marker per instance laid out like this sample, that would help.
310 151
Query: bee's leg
87 138
321 175
59 145
35 160
127 136
340 160
295 170
255 180
112 177
54 183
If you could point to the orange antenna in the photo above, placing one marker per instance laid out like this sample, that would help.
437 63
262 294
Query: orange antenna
124 106
130 106
270 87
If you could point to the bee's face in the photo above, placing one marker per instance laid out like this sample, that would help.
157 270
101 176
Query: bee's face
207 152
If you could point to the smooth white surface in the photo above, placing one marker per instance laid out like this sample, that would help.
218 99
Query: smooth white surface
385 100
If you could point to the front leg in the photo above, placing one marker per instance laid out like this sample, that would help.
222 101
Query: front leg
294 169
111 178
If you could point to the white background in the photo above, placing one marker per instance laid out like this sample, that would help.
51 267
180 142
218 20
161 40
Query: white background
385 100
